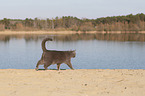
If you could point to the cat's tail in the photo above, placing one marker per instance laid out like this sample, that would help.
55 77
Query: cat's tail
43 43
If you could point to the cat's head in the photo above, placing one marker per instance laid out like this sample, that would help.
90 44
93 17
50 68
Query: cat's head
73 53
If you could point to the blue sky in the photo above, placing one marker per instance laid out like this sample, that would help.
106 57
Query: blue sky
21 9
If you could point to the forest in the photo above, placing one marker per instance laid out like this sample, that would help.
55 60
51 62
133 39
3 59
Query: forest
69 23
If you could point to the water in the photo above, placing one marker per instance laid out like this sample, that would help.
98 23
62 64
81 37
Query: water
93 51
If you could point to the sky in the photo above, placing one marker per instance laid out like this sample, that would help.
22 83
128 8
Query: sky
91 9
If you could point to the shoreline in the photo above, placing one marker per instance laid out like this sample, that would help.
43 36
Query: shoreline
41 32
66 32
78 82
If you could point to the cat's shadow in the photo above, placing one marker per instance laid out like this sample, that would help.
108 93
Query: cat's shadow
50 69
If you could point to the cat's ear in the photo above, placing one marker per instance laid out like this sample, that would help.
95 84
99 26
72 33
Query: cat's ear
74 50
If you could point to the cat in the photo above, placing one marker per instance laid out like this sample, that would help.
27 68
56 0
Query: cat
50 57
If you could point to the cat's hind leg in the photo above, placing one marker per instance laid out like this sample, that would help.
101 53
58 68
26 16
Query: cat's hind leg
46 66
40 62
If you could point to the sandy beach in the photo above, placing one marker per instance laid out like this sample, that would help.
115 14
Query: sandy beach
79 82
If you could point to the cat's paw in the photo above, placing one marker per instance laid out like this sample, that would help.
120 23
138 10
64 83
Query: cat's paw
36 69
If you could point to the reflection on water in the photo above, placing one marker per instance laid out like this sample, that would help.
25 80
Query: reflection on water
74 37
94 51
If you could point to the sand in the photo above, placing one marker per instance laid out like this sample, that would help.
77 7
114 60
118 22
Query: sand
79 82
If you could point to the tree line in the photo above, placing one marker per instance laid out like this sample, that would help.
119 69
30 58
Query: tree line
115 23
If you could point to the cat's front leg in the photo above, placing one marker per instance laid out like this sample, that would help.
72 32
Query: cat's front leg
58 66
70 65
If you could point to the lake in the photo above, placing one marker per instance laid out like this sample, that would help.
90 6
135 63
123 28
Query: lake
93 51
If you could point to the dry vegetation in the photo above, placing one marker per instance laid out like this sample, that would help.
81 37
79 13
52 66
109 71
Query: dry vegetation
68 23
